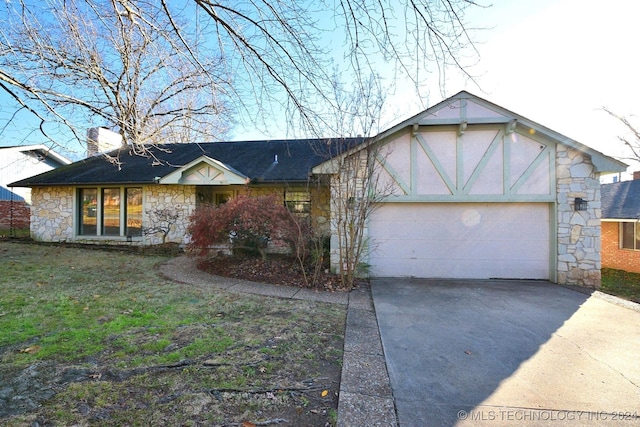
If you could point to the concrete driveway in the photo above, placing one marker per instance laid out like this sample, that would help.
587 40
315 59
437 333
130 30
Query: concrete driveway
507 352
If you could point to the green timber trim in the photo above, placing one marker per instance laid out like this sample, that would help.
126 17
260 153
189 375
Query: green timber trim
545 154
413 164
483 162
463 109
471 198
553 242
393 174
437 165
470 121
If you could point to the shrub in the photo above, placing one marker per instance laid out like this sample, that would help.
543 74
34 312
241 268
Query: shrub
247 223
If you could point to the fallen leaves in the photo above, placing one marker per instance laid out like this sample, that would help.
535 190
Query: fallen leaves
278 270
33 349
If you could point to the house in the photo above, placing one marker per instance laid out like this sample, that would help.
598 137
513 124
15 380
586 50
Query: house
620 228
19 162
471 190
95 201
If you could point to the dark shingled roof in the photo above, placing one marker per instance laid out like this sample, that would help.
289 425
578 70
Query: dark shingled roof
254 159
621 200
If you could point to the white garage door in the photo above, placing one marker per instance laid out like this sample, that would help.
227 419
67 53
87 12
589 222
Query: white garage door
460 240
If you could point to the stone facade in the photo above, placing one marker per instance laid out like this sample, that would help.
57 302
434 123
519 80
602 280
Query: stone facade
179 199
578 232
52 214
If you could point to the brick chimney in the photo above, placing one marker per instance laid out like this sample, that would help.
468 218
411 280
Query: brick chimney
636 175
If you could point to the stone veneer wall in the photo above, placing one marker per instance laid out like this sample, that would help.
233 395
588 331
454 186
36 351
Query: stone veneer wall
180 199
52 214
579 236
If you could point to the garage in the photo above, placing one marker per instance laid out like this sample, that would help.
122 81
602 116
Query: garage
460 240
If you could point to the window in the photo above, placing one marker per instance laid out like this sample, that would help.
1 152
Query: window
111 211
211 195
88 210
133 215
298 202
102 213
630 235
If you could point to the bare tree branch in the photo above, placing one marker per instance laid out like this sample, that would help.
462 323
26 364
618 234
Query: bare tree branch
632 144
142 66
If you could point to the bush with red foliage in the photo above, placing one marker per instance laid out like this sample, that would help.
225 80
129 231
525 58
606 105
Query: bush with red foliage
247 223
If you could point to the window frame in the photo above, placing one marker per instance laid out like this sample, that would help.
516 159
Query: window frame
123 213
295 197
635 234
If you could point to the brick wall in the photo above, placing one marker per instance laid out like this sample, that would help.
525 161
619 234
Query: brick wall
21 214
612 255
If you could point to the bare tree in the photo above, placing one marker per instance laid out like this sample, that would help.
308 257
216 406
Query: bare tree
631 140
266 58
162 221
355 184
112 63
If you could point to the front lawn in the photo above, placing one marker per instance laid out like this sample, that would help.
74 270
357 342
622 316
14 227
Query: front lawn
93 337
621 284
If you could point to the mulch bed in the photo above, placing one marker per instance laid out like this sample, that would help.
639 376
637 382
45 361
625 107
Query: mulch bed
277 270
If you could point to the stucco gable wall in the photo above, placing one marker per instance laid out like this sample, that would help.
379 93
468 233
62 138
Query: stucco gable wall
579 234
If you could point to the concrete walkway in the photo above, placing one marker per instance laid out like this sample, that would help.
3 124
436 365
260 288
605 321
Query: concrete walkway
365 391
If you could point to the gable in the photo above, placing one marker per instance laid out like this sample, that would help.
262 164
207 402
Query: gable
481 163
204 171
465 109
461 110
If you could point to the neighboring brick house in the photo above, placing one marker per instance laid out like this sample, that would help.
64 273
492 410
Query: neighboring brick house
14 211
19 162
474 191
621 225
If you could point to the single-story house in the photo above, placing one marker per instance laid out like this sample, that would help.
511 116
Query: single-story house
471 190
19 162
620 225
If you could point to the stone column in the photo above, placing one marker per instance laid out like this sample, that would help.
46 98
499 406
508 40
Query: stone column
578 231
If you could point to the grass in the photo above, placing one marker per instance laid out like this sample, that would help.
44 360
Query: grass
22 233
621 284
99 338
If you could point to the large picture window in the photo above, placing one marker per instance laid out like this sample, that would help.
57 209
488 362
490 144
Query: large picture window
111 211
630 235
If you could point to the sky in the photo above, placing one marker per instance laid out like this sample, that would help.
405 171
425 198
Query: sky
557 62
